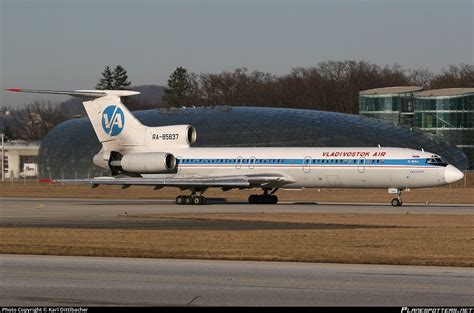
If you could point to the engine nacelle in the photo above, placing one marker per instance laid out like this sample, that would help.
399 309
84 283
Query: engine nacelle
174 135
148 163
100 161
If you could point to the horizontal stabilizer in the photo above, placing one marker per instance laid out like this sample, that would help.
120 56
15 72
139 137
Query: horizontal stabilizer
80 93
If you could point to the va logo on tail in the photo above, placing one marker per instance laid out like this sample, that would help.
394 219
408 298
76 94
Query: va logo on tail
113 120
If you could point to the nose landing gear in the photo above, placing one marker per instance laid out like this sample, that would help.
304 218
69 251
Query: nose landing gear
398 200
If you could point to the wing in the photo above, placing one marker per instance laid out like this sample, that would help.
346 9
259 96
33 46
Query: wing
225 182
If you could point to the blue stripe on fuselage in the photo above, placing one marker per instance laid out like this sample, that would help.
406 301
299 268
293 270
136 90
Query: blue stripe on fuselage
319 162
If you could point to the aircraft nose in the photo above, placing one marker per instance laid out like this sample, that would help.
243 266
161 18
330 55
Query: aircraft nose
452 174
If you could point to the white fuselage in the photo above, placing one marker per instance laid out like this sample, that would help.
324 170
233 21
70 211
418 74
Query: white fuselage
318 167
129 147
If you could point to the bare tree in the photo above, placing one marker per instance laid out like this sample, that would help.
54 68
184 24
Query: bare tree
461 75
420 77
34 120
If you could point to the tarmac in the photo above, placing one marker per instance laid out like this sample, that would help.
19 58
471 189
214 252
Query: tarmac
32 280
110 213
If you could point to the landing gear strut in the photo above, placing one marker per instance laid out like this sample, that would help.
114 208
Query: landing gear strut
398 200
193 199
265 198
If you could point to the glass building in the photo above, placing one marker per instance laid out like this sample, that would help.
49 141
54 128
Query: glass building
68 149
389 103
448 113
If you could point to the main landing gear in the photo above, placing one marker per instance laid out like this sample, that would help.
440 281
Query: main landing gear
398 200
266 198
193 199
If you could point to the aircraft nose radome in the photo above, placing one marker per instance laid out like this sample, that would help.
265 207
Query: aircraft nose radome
452 174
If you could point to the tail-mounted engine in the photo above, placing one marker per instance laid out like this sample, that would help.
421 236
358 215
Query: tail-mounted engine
142 163
184 135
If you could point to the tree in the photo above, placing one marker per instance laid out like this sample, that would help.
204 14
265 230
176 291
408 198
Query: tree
420 77
120 77
107 80
179 88
116 80
461 75
34 120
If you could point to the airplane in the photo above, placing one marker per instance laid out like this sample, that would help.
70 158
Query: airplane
137 154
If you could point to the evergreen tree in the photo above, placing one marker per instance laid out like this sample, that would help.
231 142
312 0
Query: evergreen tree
179 86
120 77
107 80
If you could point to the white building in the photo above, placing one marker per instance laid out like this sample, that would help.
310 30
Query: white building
18 156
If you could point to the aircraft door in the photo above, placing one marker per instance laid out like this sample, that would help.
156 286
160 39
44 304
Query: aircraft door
252 162
307 164
238 162
361 165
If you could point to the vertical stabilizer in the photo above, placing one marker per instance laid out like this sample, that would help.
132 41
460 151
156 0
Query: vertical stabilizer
113 123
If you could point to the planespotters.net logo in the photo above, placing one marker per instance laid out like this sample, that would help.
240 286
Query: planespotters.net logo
113 120
437 310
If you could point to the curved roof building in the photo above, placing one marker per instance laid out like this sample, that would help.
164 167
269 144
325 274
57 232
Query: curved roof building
389 103
449 113
391 91
68 149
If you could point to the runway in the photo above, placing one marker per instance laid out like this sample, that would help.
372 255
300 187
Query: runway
91 281
107 213
87 281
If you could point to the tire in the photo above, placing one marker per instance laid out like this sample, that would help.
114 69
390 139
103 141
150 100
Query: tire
259 199
274 199
396 202
197 200
188 200
252 199
267 199
180 200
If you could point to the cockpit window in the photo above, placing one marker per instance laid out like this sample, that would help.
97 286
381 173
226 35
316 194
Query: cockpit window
437 161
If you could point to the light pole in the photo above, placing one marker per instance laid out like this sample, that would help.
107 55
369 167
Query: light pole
3 157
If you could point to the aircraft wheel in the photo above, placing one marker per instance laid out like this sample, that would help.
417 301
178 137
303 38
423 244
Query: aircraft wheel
273 199
267 199
180 200
252 199
188 200
396 202
263 199
198 200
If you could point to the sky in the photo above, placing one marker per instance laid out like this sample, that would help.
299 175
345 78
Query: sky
65 44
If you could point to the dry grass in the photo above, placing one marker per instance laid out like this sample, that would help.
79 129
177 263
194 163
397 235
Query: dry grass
444 240
363 219
431 195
